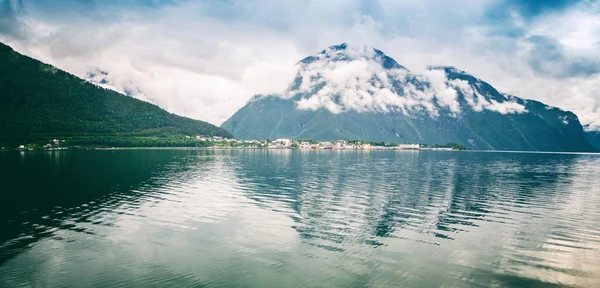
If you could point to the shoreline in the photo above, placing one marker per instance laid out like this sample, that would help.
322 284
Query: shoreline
354 150
265 149
298 149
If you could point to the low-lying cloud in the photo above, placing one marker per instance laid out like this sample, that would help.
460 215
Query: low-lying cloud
206 59
355 79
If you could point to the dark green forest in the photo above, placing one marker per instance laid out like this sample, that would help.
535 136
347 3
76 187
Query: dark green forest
40 102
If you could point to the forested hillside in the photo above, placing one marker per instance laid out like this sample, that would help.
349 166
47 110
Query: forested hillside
38 101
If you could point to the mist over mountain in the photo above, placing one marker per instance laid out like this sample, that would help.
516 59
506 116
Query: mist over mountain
593 136
347 92
38 101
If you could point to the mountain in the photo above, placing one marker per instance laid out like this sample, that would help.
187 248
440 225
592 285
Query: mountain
39 101
593 136
347 92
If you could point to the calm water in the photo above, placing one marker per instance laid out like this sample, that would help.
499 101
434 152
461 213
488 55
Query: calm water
194 218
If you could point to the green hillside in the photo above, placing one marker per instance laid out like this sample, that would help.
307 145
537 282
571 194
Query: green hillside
38 101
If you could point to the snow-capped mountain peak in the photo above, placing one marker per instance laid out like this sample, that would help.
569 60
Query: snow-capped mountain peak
347 53
345 78
354 92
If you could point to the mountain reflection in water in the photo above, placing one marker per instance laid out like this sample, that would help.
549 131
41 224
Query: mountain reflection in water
299 218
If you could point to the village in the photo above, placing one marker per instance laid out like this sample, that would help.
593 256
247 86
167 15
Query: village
344 145
285 143
52 145
216 142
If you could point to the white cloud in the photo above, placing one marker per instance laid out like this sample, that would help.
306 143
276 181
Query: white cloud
355 79
205 60
506 107
194 67
593 126
361 84
578 31
479 102
445 94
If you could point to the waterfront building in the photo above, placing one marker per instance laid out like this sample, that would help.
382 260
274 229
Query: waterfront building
409 146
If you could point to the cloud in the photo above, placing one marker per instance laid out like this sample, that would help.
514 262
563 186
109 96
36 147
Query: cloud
445 94
9 24
204 74
205 59
548 56
355 78
532 9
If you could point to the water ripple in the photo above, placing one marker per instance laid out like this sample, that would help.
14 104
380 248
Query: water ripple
298 218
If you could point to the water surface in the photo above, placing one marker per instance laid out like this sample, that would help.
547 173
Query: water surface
251 218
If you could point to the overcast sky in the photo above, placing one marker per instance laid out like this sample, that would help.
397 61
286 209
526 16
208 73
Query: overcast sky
206 59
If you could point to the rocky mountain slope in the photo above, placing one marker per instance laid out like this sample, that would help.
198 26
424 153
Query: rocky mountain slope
347 92
593 136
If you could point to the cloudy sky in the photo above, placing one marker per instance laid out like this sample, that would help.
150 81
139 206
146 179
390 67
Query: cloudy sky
206 59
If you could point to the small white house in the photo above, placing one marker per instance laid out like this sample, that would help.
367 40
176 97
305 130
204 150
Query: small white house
409 146
340 144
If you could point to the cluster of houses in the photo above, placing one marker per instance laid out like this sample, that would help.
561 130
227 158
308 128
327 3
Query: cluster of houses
285 143
338 145
53 144
282 143
218 139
